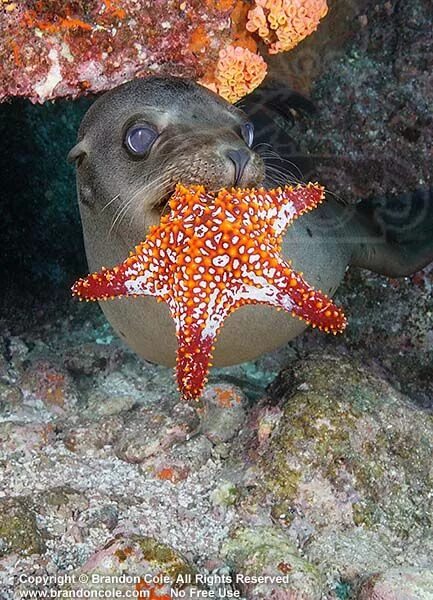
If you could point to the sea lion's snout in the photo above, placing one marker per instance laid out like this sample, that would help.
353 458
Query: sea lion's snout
240 159
214 157
149 134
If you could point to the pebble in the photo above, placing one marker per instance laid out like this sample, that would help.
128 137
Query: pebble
224 412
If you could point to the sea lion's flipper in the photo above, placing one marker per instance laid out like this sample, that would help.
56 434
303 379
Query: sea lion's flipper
395 234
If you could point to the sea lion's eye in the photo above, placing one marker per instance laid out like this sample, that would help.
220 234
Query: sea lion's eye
247 132
139 139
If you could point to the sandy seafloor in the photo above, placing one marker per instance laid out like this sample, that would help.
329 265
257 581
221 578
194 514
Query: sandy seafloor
312 462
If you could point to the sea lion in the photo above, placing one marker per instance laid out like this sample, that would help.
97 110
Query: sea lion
136 141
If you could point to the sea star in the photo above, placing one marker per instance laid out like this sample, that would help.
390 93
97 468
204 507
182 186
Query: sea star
211 254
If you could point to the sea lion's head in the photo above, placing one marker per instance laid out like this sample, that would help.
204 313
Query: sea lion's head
138 140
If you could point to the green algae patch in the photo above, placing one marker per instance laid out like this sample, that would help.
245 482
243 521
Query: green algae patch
267 551
161 555
138 557
226 494
19 533
350 451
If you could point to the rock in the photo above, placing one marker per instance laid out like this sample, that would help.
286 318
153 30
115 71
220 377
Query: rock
224 412
141 563
149 432
92 358
114 394
60 510
176 462
101 405
90 437
10 396
47 382
18 351
107 515
65 496
171 472
399 584
267 420
347 468
19 533
350 555
25 437
267 551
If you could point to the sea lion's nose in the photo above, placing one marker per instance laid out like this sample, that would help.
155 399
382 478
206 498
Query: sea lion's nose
240 159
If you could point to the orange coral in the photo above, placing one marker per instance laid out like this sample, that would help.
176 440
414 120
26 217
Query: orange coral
226 398
30 19
174 473
238 72
199 40
282 24
152 591
238 18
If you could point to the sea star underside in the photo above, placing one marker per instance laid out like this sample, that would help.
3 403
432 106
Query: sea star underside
211 254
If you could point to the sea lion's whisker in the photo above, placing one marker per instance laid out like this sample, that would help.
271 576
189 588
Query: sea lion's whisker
279 170
123 210
157 186
120 213
286 176
270 159
277 156
116 197
257 146
158 192
335 195
151 183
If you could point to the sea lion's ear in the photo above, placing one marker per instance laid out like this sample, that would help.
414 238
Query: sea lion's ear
78 152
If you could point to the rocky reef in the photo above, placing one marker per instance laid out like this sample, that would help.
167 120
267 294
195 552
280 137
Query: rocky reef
65 48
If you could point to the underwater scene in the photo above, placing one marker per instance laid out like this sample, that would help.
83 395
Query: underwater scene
216 309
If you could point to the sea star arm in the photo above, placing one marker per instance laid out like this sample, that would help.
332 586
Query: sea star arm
193 361
289 203
311 305
197 325
284 288
131 278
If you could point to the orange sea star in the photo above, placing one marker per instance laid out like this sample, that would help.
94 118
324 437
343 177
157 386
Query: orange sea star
211 254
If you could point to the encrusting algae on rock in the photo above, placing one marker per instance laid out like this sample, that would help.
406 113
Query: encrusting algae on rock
210 255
